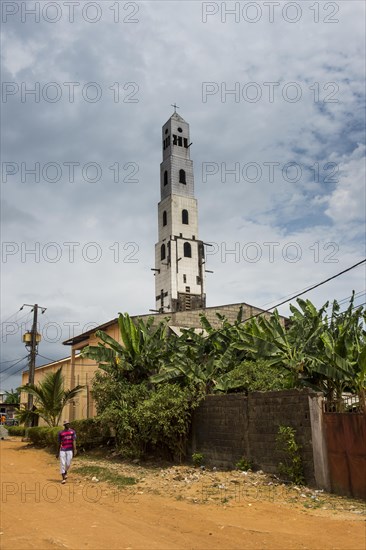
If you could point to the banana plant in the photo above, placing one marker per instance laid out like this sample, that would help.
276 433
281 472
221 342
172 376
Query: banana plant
344 354
290 348
137 355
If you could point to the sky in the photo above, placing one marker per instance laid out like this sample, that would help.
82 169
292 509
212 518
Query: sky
274 95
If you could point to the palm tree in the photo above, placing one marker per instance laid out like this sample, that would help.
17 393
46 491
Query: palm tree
50 398
12 397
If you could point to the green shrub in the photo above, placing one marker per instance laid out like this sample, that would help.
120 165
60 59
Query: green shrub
16 430
89 432
146 420
197 459
163 420
291 467
244 464
43 436
259 375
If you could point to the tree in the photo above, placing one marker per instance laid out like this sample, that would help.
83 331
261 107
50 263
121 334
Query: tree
294 348
144 417
142 349
12 397
205 359
325 353
50 398
344 346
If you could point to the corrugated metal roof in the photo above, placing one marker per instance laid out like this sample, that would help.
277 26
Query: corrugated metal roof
179 330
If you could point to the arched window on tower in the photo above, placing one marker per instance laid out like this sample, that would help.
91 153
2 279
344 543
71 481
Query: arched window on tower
187 250
185 217
165 218
182 176
166 177
162 252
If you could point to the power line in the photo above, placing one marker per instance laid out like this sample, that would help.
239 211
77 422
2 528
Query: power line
305 291
13 365
9 361
13 373
348 299
16 321
12 315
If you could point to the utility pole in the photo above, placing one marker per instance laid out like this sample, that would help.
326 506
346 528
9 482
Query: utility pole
31 340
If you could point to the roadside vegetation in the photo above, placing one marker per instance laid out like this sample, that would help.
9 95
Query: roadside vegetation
148 385
150 382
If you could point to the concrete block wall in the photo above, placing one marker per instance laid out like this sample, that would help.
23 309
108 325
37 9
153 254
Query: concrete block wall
228 427
219 429
268 411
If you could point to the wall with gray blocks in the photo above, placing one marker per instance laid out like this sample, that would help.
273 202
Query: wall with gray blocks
226 428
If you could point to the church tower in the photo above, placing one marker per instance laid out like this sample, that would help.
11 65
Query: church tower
179 254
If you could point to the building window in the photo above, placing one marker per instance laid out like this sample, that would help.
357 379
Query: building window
187 250
165 218
185 217
184 278
165 177
198 280
166 142
188 289
182 176
162 252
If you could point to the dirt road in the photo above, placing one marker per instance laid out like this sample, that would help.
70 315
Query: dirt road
38 512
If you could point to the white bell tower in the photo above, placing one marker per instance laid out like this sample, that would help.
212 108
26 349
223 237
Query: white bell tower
179 254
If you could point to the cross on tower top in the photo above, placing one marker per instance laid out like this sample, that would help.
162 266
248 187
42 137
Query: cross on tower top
175 107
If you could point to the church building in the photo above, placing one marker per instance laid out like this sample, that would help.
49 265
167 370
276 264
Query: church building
179 272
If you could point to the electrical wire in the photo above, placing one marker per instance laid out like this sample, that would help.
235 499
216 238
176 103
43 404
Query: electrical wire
28 313
12 315
13 365
306 291
9 361
252 316
348 299
13 373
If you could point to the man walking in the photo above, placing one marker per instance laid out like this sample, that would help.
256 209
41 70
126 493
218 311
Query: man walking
67 449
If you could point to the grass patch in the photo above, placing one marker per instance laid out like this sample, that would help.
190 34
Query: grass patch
103 474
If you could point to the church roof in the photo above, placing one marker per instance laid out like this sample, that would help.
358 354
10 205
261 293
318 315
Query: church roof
177 117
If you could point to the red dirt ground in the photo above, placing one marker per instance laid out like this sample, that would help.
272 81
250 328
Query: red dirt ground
40 513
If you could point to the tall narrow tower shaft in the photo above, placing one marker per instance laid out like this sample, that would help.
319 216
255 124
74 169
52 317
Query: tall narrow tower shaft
179 254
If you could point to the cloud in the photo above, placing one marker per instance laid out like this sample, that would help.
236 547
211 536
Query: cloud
347 202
